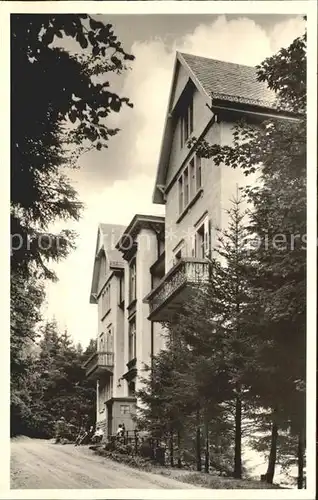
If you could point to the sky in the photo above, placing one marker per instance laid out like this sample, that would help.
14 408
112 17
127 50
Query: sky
117 183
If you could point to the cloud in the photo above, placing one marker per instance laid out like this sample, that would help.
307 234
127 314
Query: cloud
68 300
239 40
118 183
283 33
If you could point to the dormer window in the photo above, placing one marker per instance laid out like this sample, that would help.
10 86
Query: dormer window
186 122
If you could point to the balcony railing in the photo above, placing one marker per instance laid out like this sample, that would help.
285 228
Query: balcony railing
99 363
186 273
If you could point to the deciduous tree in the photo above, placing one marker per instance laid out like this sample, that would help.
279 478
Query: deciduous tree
59 107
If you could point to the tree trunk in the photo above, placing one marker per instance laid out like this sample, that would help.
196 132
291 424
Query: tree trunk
179 465
300 460
171 450
198 443
238 439
269 476
207 454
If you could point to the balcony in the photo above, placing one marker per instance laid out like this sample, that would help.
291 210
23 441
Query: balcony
176 287
100 364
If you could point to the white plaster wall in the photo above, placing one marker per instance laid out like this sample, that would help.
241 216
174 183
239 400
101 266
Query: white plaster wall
182 78
126 327
119 341
146 256
232 179
201 117
210 202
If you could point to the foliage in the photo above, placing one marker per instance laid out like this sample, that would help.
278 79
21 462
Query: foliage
238 343
59 109
201 378
57 386
275 149
26 300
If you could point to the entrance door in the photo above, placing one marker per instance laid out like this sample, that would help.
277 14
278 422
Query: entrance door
109 420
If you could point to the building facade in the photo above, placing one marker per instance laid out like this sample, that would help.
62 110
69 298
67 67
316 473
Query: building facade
128 261
207 99
140 281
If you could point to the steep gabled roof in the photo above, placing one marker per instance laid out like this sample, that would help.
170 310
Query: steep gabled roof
229 81
138 222
110 234
216 81
107 237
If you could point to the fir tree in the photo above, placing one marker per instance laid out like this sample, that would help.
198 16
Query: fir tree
276 149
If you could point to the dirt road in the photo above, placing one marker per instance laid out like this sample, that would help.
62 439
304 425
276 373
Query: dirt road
38 464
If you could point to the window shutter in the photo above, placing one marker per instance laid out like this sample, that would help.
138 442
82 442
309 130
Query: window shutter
206 238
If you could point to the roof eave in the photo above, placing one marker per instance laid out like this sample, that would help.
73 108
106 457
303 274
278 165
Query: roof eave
158 196
136 223
94 284
260 109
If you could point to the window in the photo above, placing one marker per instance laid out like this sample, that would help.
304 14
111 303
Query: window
180 186
186 123
186 186
124 409
177 257
189 182
201 243
131 389
109 339
121 292
106 299
132 340
132 281
193 187
102 342
178 252
198 172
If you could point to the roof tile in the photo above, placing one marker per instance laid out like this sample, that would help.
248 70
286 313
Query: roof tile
229 81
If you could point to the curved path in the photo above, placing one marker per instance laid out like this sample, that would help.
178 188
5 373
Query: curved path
40 464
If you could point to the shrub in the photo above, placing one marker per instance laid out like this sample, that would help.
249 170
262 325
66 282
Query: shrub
110 446
145 450
125 449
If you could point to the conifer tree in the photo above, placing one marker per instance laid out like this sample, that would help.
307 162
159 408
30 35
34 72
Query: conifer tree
276 149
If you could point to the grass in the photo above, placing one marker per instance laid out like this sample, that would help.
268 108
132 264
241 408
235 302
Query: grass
211 481
216 482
